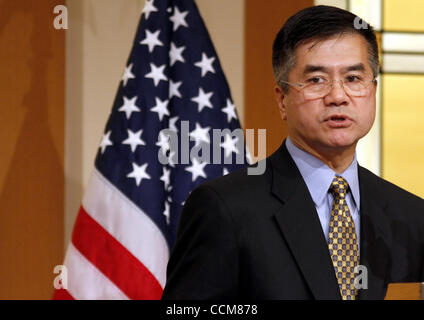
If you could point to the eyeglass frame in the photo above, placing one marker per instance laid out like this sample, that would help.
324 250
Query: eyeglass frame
300 86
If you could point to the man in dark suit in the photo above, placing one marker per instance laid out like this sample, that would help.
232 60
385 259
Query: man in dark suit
315 221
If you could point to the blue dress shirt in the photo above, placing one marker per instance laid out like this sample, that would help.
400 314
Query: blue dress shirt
318 177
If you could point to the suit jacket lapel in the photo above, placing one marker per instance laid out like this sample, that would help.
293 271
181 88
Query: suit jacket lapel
375 238
300 226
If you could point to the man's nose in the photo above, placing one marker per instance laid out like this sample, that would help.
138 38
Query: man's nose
337 95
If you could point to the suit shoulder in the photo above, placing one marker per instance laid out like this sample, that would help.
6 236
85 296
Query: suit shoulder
240 183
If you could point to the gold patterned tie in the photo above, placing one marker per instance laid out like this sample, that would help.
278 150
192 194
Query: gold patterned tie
342 240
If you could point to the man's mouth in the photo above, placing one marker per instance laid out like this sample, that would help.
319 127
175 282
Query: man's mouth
338 121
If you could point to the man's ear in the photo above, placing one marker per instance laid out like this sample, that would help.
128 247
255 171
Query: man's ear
375 86
279 97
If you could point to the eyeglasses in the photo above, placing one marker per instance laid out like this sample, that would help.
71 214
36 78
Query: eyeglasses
319 87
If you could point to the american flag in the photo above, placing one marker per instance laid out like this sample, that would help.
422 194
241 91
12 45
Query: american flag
128 218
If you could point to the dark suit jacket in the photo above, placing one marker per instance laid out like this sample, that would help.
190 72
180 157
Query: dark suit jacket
259 237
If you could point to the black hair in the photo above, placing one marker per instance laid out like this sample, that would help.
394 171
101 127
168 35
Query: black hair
318 23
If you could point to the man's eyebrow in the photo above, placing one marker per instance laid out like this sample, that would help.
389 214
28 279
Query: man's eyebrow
355 67
311 68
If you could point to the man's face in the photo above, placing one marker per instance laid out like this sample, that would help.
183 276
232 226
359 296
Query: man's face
318 124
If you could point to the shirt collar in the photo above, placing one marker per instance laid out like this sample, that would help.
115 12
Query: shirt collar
318 176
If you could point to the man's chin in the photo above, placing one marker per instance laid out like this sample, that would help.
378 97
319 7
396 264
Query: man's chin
340 142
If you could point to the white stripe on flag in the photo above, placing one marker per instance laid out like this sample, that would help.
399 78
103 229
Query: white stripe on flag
128 224
86 282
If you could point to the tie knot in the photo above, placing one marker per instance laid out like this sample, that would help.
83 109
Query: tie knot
339 187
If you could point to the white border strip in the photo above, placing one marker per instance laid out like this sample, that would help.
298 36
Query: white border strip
403 63
128 224
404 42
86 282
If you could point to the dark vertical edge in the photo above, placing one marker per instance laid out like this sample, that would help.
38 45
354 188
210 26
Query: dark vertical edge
381 91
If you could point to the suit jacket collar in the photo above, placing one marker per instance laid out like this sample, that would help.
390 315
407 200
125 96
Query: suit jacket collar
318 176
300 226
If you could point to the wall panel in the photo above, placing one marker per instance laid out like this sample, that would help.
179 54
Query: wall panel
31 136
262 23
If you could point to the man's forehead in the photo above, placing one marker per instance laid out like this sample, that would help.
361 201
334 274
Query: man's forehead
315 45
346 52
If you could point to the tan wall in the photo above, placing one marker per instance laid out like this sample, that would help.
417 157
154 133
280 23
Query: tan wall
32 149
261 26
98 43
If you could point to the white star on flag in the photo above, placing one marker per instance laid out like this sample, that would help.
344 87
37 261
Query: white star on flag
171 160
106 141
151 40
173 89
206 64
200 134
129 106
134 140
196 169
203 99
128 74
161 108
229 145
163 142
156 73
175 54
167 213
178 19
172 125
149 8
166 177
139 173
230 110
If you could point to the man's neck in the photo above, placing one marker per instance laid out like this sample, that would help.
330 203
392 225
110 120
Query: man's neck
337 159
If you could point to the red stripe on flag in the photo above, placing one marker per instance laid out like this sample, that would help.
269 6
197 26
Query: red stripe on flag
62 294
113 259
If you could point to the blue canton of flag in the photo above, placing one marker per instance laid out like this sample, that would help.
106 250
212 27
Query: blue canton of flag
173 77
